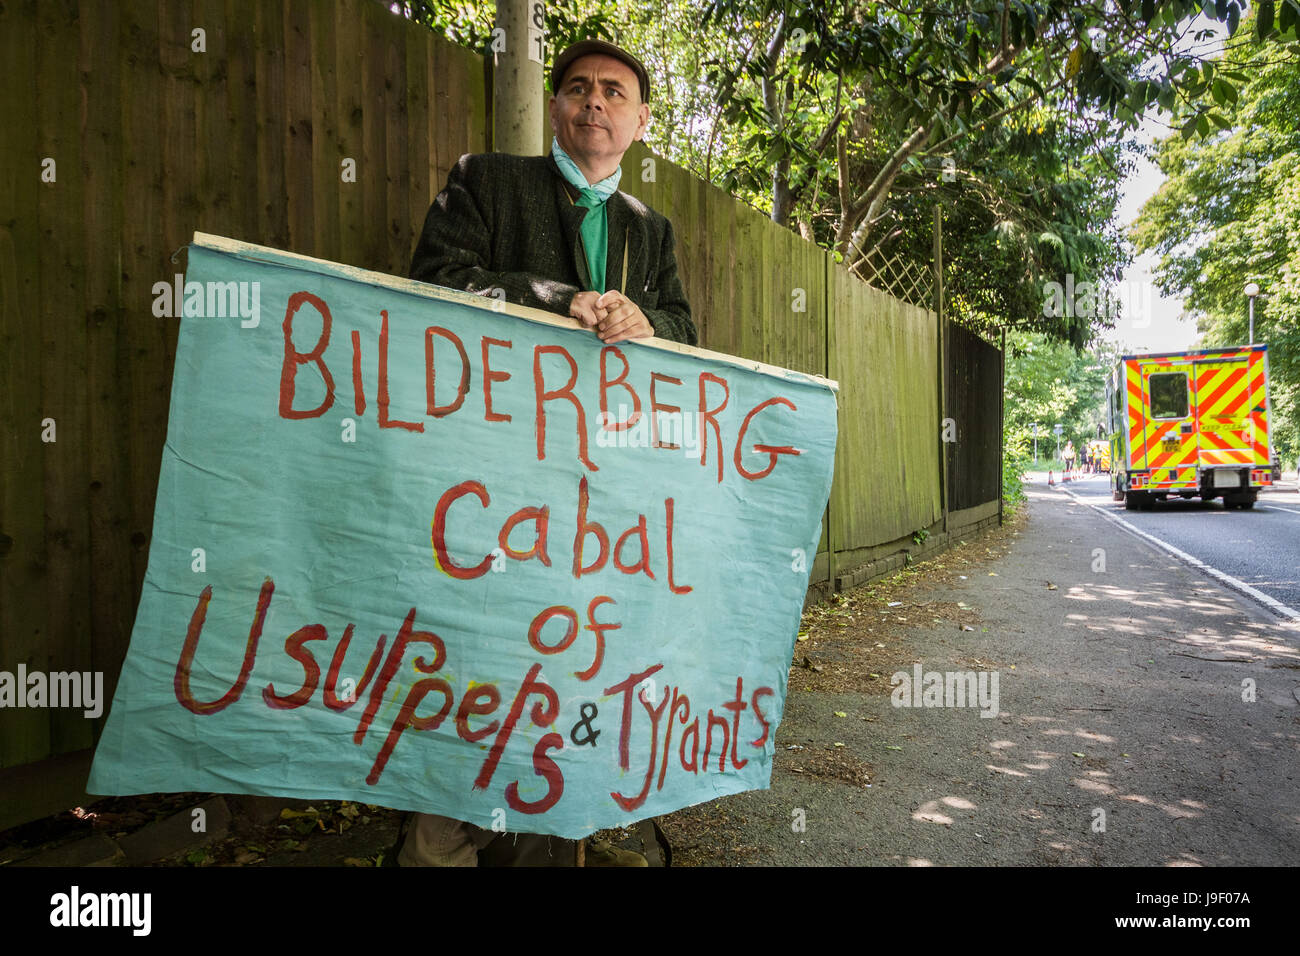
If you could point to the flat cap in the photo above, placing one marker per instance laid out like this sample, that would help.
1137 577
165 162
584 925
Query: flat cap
585 48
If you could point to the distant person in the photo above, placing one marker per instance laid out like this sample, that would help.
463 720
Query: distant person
1068 457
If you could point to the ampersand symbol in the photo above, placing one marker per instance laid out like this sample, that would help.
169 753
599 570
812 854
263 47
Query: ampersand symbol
585 724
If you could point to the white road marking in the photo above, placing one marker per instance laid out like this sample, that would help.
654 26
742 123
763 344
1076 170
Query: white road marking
1290 511
1274 605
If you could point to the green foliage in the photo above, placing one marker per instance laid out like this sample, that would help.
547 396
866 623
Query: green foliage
852 120
469 23
1015 463
1229 213
1051 383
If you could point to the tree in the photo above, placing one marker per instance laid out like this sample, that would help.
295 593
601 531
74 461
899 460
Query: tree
1052 383
1229 213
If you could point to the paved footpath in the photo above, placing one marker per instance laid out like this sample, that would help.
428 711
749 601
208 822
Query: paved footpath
1148 716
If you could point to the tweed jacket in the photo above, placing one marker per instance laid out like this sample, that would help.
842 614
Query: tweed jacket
508 222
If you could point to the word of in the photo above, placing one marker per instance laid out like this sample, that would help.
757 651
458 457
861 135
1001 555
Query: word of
950 689
102 909
59 689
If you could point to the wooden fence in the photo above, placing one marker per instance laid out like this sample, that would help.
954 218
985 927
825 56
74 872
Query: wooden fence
123 138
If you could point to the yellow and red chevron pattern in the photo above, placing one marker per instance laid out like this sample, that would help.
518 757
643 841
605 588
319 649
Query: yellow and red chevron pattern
1227 420
1232 412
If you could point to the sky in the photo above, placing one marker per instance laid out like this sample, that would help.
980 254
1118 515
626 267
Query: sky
1151 322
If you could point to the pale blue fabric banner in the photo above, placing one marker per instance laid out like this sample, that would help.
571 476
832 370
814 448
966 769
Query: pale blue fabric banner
399 557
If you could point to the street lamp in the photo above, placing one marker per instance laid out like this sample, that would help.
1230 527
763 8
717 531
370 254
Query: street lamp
1252 290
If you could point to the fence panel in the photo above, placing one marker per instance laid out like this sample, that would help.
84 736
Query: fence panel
974 393
154 140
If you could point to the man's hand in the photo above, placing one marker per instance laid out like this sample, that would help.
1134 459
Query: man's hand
623 318
586 309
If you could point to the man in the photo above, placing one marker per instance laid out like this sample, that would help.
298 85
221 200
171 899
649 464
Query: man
553 232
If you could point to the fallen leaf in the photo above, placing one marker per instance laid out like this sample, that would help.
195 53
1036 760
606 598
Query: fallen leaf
287 814
838 744
354 861
1077 755
892 747
840 713
967 627
1051 586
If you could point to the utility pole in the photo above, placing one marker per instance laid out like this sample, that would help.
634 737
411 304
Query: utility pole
519 45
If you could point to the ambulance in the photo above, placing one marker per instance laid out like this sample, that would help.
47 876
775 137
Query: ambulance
1191 425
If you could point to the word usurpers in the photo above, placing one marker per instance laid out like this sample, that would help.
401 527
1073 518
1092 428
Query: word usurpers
484 701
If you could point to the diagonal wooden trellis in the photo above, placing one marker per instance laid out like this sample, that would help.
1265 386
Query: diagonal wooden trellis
898 276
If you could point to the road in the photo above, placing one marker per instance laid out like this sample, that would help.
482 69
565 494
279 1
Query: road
1260 547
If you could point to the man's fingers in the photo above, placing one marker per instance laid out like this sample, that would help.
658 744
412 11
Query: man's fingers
587 308
629 326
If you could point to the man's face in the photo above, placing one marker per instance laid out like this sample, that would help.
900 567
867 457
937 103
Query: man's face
597 111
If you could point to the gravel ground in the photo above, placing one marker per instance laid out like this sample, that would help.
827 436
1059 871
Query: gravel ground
1122 737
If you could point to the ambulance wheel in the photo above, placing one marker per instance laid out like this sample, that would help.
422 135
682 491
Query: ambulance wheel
1134 500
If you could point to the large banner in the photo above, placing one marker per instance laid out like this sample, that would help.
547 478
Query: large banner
424 549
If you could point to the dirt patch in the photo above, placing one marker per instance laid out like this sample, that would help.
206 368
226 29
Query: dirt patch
834 763
855 641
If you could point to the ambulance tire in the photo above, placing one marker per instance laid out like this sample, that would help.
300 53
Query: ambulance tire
1135 500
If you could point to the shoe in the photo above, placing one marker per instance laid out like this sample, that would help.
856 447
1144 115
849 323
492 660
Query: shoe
603 853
